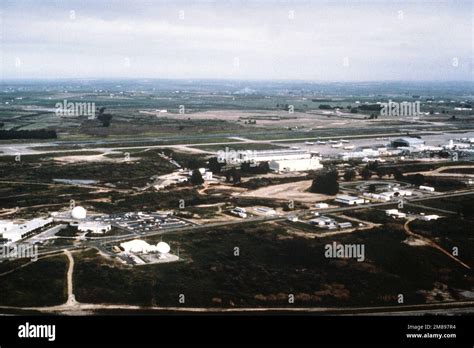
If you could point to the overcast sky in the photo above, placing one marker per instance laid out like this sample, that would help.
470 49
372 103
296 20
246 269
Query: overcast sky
236 39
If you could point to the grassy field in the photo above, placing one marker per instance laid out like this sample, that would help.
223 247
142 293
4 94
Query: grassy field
33 108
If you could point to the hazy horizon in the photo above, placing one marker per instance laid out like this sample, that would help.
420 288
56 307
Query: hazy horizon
305 41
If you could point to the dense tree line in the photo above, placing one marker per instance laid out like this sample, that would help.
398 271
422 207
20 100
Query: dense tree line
349 174
374 168
325 107
261 168
196 178
370 107
104 118
28 134
215 165
325 181
233 175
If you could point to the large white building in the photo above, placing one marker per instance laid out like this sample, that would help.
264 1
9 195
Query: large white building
142 247
138 246
427 188
94 227
408 142
78 213
295 165
5 226
349 200
395 213
285 160
14 232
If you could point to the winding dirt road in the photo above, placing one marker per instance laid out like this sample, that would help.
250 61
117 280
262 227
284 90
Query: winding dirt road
431 243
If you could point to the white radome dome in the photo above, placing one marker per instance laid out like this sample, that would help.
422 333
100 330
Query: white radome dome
163 247
79 213
137 246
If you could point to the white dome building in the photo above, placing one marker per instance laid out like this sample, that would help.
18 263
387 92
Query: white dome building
138 246
163 248
78 213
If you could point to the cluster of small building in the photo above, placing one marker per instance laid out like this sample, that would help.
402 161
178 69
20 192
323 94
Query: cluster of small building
395 213
77 217
133 252
385 196
329 223
139 252
463 143
181 176
295 159
12 232
397 147
366 154
388 195
406 145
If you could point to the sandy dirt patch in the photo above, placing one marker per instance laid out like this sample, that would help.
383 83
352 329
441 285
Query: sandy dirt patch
189 149
412 241
295 191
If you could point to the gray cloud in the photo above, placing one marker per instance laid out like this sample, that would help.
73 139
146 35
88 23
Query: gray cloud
305 40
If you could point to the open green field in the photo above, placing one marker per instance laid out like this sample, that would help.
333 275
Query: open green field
134 104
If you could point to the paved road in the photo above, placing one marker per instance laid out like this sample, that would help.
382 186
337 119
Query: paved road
445 308
96 242
449 212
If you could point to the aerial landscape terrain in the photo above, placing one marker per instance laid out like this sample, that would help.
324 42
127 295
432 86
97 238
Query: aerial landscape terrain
208 172
152 195
268 172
